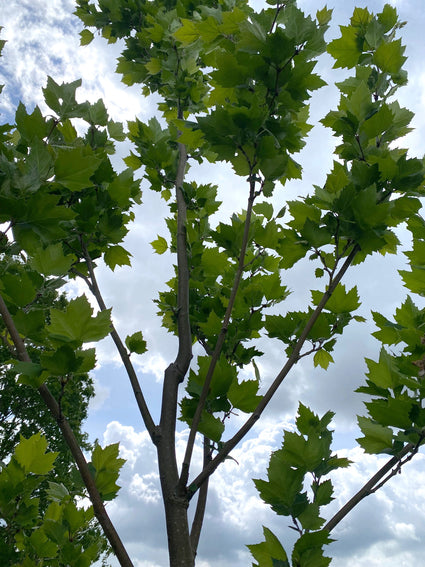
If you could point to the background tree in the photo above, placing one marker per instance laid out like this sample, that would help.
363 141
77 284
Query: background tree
234 85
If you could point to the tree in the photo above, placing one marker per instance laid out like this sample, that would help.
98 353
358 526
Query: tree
234 87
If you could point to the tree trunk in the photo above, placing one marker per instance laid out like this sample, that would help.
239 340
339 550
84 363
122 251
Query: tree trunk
175 500
179 543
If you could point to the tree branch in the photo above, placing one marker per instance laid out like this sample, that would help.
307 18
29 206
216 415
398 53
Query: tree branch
175 373
184 354
372 485
292 360
125 357
68 434
198 519
220 341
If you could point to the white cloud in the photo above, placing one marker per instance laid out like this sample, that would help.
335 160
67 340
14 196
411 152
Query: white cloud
102 393
402 530
153 364
145 488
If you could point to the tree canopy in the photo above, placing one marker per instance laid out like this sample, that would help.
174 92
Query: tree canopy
234 86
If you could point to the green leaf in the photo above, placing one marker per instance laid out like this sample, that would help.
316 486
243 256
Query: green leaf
87 359
389 57
31 455
187 33
133 162
153 66
57 491
210 426
31 127
117 256
159 245
307 421
61 99
414 280
60 362
224 375
269 551
42 546
377 438
308 551
30 324
316 235
283 489
394 412
388 17
116 131
86 37
384 373
389 332
136 343
347 49
74 167
379 122
19 288
309 517
342 301
243 395
323 493
307 454
76 323
97 113
51 261
322 358
107 465
265 209
31 373
55 531
212 326
324 16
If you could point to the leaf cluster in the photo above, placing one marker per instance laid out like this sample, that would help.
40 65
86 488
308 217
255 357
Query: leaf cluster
395 414
305 455
62 534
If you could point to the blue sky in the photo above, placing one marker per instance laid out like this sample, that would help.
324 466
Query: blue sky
388 528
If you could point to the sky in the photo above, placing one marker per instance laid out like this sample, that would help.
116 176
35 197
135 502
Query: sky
388 528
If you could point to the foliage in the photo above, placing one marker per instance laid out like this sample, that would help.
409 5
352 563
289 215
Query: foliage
63 534
307 451
234 86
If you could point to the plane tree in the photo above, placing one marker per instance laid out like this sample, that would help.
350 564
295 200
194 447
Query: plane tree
234 86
